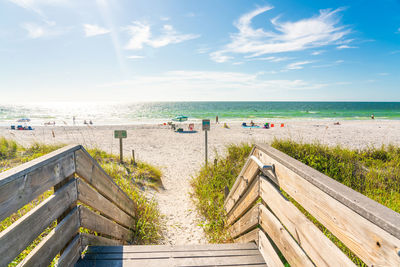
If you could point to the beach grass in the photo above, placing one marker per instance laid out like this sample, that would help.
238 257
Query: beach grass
209 185
374 172
147 224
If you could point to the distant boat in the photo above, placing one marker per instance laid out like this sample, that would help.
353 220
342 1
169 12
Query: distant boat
180 118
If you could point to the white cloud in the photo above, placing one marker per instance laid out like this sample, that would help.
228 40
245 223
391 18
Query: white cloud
35 30
303 34
383 74
141 35
135 57
93 30
202 50
165 18
297 65
345 47
219 57
318 52
189 85
190 15
270 59
331 64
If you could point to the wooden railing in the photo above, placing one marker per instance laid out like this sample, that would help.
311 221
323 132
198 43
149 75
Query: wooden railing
371 231
75 177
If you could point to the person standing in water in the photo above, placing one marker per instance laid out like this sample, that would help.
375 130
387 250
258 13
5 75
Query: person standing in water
216 119
372 116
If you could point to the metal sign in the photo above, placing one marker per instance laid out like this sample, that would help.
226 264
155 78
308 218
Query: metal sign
206 125
120 134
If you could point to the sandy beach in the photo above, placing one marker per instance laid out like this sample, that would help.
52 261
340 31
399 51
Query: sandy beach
180 155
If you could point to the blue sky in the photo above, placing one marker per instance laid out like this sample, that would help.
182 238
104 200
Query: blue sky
109 50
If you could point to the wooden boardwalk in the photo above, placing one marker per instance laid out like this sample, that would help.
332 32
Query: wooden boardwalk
185 255
85 196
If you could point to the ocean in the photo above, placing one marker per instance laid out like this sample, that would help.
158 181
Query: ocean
157 112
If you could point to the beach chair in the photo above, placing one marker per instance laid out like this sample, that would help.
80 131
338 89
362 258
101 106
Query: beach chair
191 127
12 127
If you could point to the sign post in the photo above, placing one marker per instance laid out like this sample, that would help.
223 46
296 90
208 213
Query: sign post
206 128
120 134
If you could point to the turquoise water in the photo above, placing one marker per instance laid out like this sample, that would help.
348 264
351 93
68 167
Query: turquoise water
162 111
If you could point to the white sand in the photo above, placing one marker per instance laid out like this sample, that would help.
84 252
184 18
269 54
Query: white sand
181 155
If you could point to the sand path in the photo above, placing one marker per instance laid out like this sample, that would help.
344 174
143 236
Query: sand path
181 155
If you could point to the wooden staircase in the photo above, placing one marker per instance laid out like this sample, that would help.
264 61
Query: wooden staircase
184 255
265 225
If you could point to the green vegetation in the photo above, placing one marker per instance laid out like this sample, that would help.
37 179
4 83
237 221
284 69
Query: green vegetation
130 177
374 172
209 186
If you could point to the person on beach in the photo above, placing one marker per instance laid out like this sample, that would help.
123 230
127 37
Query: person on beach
216 119
372 116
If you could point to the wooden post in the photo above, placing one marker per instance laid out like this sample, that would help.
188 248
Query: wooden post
121 159
133 157
120 134
226 191
206 148
206 127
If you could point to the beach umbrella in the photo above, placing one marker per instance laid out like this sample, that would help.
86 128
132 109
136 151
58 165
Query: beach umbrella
24 120
180 118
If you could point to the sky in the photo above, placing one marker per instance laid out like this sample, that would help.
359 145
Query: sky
209 50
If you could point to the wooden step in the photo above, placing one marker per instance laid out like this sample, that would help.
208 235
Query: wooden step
167 255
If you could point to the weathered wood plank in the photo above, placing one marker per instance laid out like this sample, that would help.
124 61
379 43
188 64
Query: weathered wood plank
317 246
22 184
92 198
245 178
245 202
367 240
88 169
246 222
251 236
169 254
20 234
51 245
380 215
200 261
268 251
286 244
93 240
71 254
161 248
100 224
